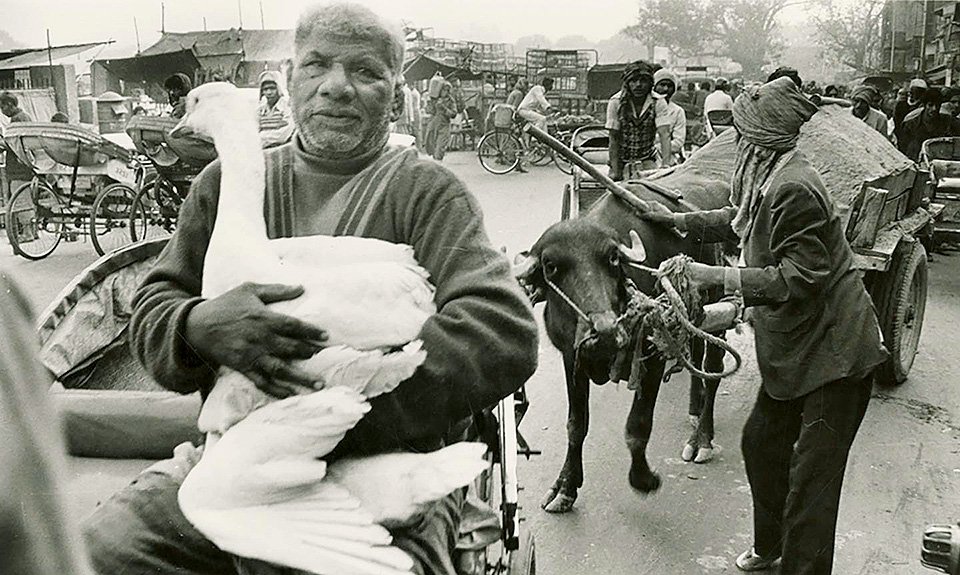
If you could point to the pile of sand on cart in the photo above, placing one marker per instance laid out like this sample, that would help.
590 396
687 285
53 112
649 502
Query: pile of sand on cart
845 150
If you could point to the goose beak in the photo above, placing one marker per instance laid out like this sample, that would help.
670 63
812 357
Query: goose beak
182 129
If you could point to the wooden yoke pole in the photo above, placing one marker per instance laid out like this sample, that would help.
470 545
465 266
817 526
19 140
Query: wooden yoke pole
622 193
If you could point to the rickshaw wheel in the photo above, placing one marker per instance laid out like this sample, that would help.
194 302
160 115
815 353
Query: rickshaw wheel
34 220
900 296
110 218
153 214
564 164
499 151
538 153
523 561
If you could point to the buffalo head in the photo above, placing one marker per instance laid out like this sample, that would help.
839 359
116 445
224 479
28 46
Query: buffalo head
583 260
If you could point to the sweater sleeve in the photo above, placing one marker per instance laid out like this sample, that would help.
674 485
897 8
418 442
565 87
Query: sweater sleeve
804 264
172 289
482 342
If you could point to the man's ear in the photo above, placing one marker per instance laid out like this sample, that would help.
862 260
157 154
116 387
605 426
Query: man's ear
397 109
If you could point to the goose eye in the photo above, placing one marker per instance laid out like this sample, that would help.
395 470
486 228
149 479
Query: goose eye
614 258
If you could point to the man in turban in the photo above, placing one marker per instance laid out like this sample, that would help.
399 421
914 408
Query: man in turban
635 119
664 86
816 380
863 98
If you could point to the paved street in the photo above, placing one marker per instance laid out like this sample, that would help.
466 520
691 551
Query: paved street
904 470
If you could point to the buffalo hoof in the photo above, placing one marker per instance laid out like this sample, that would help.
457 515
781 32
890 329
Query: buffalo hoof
700 454
644 482
556 502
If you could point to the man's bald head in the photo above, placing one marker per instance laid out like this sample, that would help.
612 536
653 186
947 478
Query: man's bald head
343 20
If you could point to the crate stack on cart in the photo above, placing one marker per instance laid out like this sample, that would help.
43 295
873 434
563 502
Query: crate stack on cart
568 68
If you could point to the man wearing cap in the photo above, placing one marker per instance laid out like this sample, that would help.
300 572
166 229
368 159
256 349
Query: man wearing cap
635 118
815 379
904 106
863 98
664 86
276 125
924 123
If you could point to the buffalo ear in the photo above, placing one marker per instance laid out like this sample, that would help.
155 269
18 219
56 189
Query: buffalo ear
526 268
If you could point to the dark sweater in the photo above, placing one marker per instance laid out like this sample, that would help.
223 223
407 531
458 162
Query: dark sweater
481 345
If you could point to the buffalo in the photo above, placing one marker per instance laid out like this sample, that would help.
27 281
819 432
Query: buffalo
578 267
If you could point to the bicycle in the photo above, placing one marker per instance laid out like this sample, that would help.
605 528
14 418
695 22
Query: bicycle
501 149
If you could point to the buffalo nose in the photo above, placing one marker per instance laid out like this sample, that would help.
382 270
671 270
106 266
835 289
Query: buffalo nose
604 324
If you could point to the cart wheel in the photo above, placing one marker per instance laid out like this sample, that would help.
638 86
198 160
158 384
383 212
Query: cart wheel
499 152
34 220
110 218
538 153
523 561
901 298
154 212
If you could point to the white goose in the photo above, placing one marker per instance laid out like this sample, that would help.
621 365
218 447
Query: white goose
260 490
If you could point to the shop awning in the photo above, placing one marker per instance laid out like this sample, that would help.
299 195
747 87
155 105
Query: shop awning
154 68
424 67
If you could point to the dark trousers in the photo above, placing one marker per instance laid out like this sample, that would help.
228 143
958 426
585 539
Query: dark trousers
795 453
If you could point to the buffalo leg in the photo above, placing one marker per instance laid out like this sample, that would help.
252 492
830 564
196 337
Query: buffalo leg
560 497
639 426
696 384
700 447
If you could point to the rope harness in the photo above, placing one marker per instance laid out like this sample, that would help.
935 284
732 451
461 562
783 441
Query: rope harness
664 320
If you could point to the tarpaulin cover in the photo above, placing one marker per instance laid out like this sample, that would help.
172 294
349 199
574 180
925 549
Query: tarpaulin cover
153 68
423 68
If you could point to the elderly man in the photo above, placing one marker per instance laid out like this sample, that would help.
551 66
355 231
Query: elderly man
10 107
815 378
635 119
863 98
276 118
336 177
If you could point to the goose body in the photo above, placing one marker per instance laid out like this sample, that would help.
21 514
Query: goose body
261 489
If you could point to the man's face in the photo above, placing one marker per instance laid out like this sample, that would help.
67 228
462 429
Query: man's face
174 95
639 86
342 92
270 92
860 107
8 110
664 87
931 110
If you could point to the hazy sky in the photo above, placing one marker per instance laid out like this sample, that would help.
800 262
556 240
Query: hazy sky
75 21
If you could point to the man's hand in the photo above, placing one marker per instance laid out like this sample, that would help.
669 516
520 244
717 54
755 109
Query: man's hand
658 213
238 331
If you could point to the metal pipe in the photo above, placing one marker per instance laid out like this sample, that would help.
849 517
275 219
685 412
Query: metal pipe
616 189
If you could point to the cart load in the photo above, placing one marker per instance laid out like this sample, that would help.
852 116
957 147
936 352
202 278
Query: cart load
880 194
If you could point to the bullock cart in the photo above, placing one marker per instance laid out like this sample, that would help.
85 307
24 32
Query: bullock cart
882 197
118 421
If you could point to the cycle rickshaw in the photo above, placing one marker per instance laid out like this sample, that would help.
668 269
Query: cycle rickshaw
177 161
118 421
83 185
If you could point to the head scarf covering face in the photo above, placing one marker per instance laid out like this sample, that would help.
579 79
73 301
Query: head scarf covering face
768 120
272 76
771 115
637 69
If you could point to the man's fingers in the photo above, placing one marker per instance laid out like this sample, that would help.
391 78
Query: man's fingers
294 328
289 348
267 386
270 293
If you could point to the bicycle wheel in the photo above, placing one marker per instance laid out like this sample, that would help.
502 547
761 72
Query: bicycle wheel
110 218
154 211
564 164
538 153
35 220
499 152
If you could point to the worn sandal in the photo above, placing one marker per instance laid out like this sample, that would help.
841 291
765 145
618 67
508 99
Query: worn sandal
750 561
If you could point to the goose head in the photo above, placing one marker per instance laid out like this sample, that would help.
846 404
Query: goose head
215 110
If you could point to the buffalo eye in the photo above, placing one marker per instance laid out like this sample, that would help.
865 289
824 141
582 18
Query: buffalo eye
549 268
